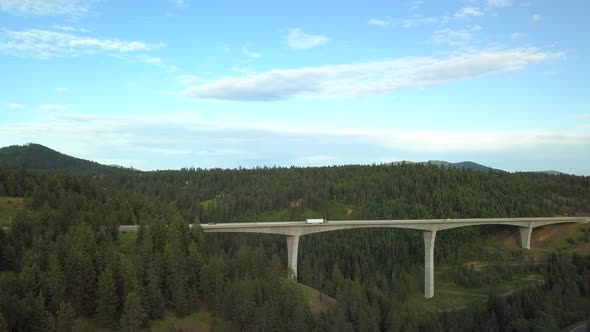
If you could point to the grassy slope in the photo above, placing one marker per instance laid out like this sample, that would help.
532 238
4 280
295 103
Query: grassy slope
313 297
202 321
9 206
505 247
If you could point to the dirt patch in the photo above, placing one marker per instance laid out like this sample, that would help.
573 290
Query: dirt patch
546 233
584 248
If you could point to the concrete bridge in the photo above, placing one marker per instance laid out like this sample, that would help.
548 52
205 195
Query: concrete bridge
429 227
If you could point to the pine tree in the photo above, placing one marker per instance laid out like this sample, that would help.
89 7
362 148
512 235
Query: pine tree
65 317
107 302
56 283
41 319
81 282
155 299
3 324
134 315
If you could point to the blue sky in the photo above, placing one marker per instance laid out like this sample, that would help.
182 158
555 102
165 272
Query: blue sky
168 84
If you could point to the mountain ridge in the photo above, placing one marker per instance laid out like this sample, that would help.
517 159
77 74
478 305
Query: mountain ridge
42 158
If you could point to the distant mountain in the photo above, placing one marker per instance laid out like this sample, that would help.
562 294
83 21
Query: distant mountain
460 165
550 172
41 158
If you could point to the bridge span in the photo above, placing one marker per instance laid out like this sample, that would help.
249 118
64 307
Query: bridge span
293 230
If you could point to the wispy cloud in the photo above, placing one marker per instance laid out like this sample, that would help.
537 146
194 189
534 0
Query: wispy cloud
382 22
249 53
45 7
181 3
517 35
419 20
50 107
467 12
149 59
68 28
14 106
48 44
187 79
299 40
365 79
61 89
536 17
415 5
63 27
498 3
455 37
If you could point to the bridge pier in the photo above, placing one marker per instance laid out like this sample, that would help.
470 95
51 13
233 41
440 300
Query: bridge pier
292 252
429 237
525 236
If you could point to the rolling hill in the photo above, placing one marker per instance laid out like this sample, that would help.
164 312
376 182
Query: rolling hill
41 158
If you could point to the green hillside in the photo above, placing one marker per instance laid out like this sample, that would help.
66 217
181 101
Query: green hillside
38 157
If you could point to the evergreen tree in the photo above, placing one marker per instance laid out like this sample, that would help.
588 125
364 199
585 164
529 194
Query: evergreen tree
56 283
107 302
3 324
65 317
134 315
41 319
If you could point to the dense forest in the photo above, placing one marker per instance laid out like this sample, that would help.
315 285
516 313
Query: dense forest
62 268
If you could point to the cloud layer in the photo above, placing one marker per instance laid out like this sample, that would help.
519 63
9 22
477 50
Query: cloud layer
48 44
189 139
45 7
365 79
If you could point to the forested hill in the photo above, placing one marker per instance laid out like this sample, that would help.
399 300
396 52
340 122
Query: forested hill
41 158
65 267
359 192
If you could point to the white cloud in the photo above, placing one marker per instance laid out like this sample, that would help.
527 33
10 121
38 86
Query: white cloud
467 12
517 35
48 44
498 3
249 53
298 40
63 27
61 90
365 79
45 7
536 17
152 60
50 108
181 3
415 5
187 79
15 106
382 22
455 37
418 21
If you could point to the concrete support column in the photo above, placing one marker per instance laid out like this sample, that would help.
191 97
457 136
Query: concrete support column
292 250
525 236
429 237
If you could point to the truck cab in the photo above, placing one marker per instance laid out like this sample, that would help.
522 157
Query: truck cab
315 221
